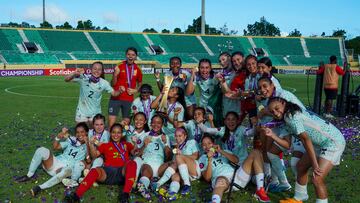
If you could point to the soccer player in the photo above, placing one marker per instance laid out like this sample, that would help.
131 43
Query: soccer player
266 68
331 80
143 103
155 150
323 142
191 126
118 168
175 101
127 78
215 168
231 136
91 88
181 78
102 136
184 166
61 166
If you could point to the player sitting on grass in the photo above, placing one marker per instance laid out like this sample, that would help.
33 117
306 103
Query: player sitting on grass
118 168
91 88
59 167
184 165
155 150
102 136
215 167
323 142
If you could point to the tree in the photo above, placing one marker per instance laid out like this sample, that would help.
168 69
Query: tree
88 25
339 33
262 28
295 33
80 25
353 44
195 28
66 26
151 30
177 30
225 30
105 29
46 24
323 34
165 31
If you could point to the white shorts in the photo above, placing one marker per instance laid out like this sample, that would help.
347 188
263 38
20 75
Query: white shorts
334 156
297 145
155 167
83 118
55 168
198 172
241 178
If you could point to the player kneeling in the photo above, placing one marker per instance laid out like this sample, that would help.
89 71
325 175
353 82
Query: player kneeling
118 168
216 168
62 166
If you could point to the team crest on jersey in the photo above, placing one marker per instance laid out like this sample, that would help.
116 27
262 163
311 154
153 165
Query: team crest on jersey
135 72
201 165
134 108
138 141
218 129
110 148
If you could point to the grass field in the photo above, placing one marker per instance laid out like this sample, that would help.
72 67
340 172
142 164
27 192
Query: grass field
33 110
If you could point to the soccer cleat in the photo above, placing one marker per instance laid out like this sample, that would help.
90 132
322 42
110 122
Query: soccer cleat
261 195
35 191
144 191
71 198
154 186
290 200
124 198
272 185
23 179
172 196
69 182
280 188
186 190
162 192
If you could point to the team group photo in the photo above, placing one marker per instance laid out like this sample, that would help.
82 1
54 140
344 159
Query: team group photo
136 107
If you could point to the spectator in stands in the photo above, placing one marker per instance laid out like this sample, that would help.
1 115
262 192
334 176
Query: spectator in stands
127 78
331 80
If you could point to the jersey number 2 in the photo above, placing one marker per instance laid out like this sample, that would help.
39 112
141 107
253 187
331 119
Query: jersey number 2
91 94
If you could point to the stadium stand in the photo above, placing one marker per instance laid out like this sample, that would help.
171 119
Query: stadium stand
54 46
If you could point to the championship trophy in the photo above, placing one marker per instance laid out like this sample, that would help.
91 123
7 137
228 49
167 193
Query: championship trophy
163 103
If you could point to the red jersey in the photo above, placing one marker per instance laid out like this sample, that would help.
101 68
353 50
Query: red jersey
127 74
239 81
116 156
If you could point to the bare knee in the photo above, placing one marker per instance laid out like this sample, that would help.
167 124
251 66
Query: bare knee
317 180
175 177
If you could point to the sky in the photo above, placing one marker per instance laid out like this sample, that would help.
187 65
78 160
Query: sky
310 17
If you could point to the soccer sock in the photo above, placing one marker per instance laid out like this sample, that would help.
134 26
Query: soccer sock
278 168
98 162
259 180
267 169
130 175
139 163
78 168
146 181
300 192
184 173
293 162
174 186
40 154
322 200
65 172
215 199
167 175
87 182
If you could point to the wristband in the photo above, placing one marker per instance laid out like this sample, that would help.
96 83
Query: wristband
157 79
57 139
